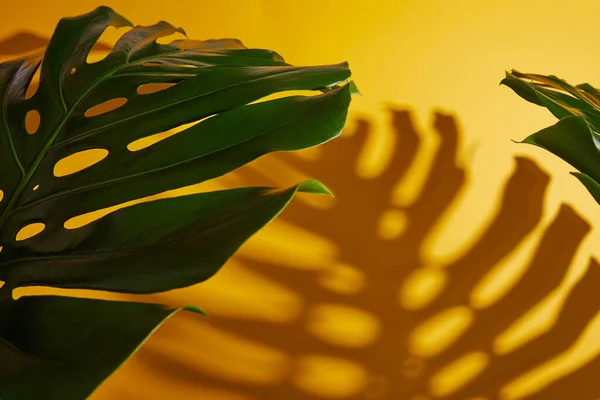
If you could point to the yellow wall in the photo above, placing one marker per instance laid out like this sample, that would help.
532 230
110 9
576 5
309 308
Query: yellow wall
428 286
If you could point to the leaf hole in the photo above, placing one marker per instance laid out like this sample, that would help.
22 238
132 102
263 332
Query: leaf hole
29 231
36 187
286 93
79 161
103 45
148 141
32 121
1 195
107 106
73 70
153 87
33 84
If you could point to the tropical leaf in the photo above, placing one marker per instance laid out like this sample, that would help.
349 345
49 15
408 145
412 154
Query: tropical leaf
575 137
55 347
164 244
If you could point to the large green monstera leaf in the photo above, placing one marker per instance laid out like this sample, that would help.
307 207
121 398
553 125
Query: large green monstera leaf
575 137
149 247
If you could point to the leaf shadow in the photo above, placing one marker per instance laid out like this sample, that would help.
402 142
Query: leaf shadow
394 371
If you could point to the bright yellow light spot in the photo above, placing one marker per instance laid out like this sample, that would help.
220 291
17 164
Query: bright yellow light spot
343 325
36 187
342 278
79 161
273 244
29 231
583 351
502 277
457 374
240 292
223 354
421 287
439 332
329 377
392 224
534 323
1 195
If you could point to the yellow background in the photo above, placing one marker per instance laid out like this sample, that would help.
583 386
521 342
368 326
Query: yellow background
414 57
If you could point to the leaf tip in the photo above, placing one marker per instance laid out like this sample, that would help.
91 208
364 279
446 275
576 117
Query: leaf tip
196 310
315 187
354 89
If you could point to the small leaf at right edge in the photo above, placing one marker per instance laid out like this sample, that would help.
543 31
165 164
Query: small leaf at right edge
54 347
572 140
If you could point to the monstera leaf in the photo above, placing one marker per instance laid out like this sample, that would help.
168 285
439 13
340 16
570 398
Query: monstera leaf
575 137
142 88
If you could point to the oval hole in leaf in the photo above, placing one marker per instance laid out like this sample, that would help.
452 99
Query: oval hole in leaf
148 141
29 231
34 84
32 121
153 87
1 195
73 70
107 106
287 93
79 161
36 187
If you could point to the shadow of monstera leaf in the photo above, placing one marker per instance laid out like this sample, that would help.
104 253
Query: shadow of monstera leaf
426 336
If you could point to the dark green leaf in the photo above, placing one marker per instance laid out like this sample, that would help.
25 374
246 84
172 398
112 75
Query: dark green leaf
572 140
55 347
154 246
575 138
165 244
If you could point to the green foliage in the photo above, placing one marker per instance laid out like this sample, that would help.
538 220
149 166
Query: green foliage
574 138
60 347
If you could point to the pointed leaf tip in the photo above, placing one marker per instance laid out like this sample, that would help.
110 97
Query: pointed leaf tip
315 187
195 310
354 89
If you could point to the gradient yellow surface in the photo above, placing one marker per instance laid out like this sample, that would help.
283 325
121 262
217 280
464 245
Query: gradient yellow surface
270 336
